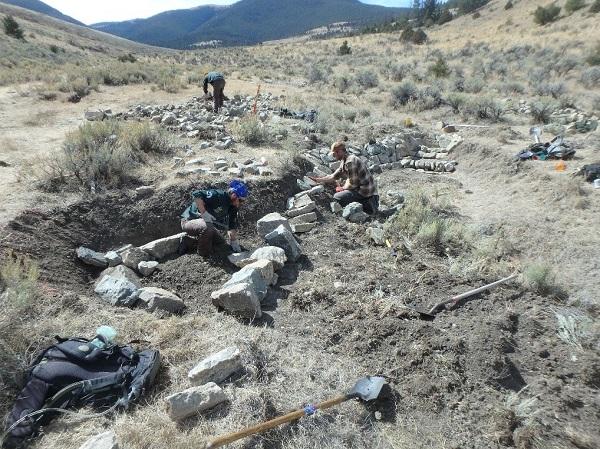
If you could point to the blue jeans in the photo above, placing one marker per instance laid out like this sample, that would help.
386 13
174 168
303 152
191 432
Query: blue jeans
370 203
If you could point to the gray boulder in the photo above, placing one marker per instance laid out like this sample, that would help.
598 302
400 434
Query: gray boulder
91 257
376 235
165 247
306 218
238 299
113 258
265 268
270 222
303 227
133 256
153 298
240 260
272 253
252 277
147 268
354 213
194 400
119 286
336 207
285 240
217 367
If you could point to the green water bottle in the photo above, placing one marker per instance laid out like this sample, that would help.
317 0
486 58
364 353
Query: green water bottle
108 334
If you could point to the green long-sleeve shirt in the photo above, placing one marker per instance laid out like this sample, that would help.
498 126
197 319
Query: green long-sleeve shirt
218 204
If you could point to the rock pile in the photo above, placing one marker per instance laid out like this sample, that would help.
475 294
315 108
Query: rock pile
222 167
402 150
566 121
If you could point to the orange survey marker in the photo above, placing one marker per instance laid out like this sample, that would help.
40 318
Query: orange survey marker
255 100
560 166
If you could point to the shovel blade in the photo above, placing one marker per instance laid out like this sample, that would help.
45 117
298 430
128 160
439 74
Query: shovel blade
367 388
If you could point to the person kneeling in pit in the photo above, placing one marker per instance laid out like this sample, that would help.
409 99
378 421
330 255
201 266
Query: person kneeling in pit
359 186
211 210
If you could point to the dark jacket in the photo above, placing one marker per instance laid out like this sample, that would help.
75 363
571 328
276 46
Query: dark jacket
218 204
211 77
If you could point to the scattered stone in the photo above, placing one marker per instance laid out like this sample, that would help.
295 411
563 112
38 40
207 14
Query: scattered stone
306 218
395 196
336 207
113 258
196 161
119 286
92 257
240 260
217 367
317 189
154 298
106 440
238 299
122 250
377 235
283 238
144 191
272 253
299 228
133 256
178 162
221 163
147 268
270 222
194 400
265 171
338 285
301 206
165 247
354 213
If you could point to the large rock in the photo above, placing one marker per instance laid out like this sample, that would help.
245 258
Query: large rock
106 440
306 218
238 299
270 222
92 257
133 256
377 235
354 213
217 367
147 268
300 205
272 253
194 400
266 269
285 240
113 258
165 247
302 227
240 260
251 276
154 298
119 286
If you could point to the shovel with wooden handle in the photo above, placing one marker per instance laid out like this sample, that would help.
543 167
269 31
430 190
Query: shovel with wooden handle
366 389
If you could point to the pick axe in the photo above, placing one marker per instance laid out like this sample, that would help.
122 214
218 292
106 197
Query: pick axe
366 389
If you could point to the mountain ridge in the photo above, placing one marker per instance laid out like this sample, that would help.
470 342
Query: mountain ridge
41 7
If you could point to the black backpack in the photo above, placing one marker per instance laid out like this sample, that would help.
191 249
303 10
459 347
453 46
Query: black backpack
74 373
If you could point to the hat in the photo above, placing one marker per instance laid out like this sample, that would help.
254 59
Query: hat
239 188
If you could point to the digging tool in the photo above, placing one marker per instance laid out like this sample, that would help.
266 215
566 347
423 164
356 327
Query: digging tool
366 389
454 300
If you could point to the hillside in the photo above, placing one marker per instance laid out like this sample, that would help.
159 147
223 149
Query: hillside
246 22
41 7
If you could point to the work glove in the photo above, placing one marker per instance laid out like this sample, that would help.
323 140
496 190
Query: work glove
208 217
235 246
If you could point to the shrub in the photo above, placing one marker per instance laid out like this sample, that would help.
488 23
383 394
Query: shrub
456 101
474 85
396 72
403 93
596 103
316 74
54 48
143 138
467 6
127 58
573 5
594 57
540 278
553 90
508 5
439 69
426 99
344 49
445 17
342 83
484 108
419 37
251 131
19 277
541 110
367 79
595 7
545 15
12 28
476 15
591 77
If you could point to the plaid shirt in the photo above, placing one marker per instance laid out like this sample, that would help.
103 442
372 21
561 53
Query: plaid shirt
358 175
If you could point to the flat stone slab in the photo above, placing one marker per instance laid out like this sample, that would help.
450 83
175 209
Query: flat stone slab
270 222
154 298
91 257
240 260
113 258
161 248
284 239
306 218
194 400
302 227
133 256
217 367
119 286
106 440
302 210
238 299
272 253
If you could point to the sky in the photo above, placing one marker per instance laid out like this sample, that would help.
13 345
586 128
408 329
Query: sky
89 12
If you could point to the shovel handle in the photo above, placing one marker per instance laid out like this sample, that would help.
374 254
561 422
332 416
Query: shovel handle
263 427
471 293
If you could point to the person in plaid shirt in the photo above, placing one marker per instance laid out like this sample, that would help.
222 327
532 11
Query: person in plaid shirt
359 185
